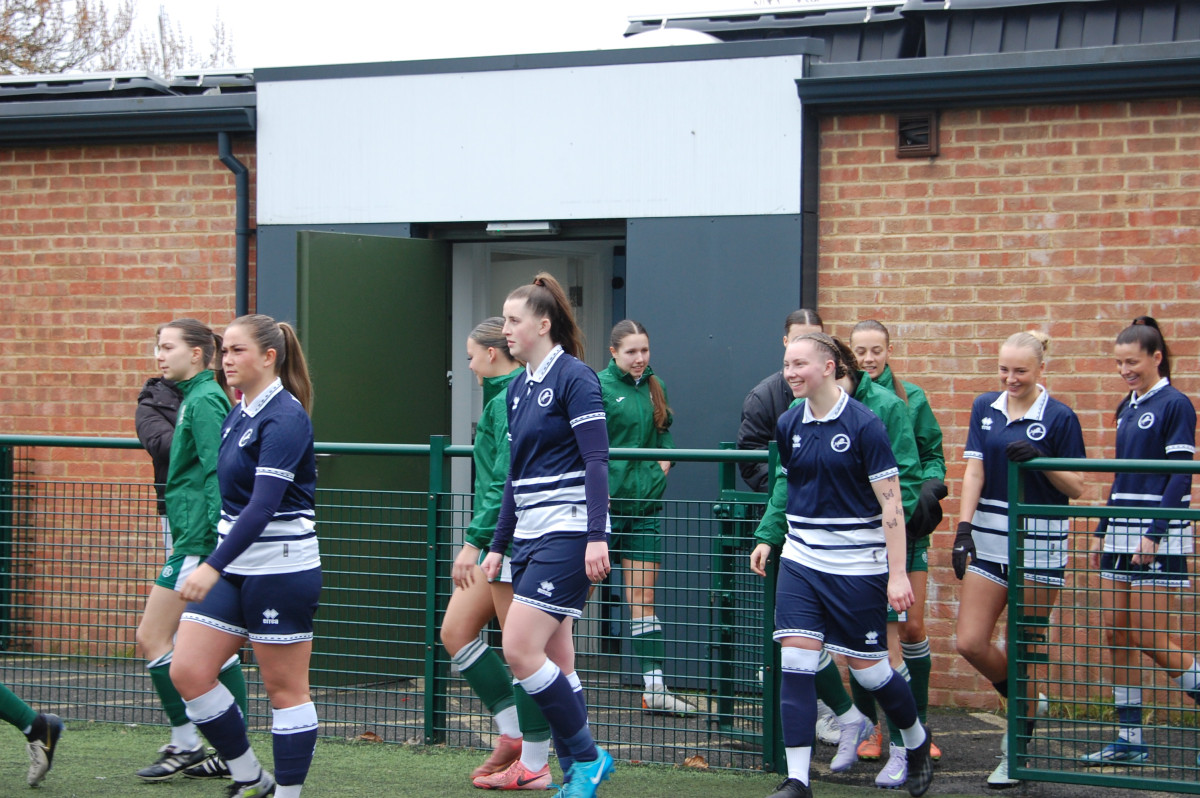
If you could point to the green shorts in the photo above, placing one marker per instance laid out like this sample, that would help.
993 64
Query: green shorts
638 539
917 561
178 568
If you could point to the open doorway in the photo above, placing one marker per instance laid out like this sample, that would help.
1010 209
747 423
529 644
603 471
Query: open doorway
485 273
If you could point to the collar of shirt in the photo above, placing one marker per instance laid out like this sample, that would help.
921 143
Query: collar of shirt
261 400
1135 400
833 414
544 368
1035 411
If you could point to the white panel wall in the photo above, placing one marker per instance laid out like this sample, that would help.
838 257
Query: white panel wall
692 138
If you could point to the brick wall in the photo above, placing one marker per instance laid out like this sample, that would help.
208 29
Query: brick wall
98 246
1071 219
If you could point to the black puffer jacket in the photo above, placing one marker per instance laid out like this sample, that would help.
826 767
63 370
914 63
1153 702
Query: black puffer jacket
157 408
760 411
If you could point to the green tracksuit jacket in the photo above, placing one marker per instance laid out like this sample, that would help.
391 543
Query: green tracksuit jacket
193 496
491 460
636 486
925 426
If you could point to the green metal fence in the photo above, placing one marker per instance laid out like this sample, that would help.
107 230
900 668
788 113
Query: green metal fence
1063 651
77 558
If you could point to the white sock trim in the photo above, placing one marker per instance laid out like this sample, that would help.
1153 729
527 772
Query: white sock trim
542 678
210 705
645 625
799 660
294 720
874 676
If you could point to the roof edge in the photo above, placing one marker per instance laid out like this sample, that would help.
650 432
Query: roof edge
123 119
1093 73
582 58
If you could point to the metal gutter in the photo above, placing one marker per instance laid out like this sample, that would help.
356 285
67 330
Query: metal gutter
242 229
106 119
1051 76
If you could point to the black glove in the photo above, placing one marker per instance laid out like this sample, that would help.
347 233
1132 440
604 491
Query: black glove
964 547
1022 451
928 513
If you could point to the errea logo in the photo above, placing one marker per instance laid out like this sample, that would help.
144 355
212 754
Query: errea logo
872 638
986 424
546 588
271 616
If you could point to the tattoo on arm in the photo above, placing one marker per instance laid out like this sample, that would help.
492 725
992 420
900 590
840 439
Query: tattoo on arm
890 523
889 494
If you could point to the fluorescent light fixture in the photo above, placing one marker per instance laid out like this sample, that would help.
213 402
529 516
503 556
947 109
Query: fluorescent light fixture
522 228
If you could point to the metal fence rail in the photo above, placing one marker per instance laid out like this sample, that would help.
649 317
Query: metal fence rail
77 559
1063 651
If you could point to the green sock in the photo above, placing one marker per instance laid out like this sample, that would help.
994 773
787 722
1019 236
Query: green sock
830 688
14 710
920 664
648 644
234 679
534 726
863 700
168 696
480 665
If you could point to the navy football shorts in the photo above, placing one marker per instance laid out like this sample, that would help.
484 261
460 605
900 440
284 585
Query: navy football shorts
847 613
267 608
548 573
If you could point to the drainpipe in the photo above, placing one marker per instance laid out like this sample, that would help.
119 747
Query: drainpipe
241 177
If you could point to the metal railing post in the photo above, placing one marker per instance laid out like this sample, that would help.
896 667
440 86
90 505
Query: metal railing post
435 688
774 756
7 518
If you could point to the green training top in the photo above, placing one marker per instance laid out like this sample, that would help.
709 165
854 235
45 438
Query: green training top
491 460
629 414
925 426
193 496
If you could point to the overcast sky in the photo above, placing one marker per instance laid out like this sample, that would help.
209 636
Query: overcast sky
294 32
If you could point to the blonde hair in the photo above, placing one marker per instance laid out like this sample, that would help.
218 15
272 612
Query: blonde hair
1035 341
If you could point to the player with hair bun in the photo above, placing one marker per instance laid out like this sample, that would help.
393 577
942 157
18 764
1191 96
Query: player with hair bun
519 760
263 580
1019 423
555 514
842 559
1138 558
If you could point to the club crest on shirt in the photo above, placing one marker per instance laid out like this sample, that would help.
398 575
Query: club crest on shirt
1146 421
986 424
545 397
246 437
546 588
840 442
1035 432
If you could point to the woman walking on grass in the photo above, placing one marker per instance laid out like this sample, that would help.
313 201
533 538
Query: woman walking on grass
263 580
555 513
186 348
